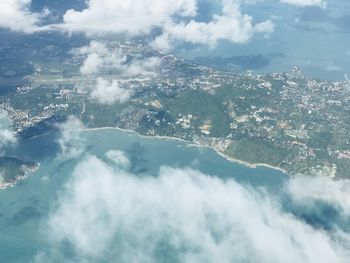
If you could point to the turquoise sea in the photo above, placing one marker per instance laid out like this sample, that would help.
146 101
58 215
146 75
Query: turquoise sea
24 208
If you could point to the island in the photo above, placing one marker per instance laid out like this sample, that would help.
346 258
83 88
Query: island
13 169
284 119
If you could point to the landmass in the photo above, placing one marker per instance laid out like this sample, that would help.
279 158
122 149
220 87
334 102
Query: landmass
13 169
284 120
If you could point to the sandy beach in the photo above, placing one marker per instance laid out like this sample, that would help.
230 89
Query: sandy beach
191 144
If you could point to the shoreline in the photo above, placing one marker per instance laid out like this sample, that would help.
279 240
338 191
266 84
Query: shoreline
27 173
191 144
188 143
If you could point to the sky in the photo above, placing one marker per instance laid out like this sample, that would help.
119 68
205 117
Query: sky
263 35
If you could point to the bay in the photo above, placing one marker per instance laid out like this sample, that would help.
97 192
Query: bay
25 207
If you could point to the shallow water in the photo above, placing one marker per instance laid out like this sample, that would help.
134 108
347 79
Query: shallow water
25 207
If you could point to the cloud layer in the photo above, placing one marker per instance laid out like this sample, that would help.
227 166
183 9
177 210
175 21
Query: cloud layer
181 215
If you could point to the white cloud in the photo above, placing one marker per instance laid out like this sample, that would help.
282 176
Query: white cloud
70 142
15 15
100 59
144 67
119 158
231 25
7 136
176 19
107 92
329 65
91 64
106 212
347 80
129 16
306 190
303 3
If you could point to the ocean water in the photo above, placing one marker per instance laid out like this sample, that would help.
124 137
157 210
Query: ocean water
304 37
25 207
82 210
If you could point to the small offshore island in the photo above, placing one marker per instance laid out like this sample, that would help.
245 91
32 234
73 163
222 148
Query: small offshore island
13 169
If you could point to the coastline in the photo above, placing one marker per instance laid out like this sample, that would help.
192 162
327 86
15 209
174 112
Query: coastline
191 144
27 172
6 185
188 143
250 165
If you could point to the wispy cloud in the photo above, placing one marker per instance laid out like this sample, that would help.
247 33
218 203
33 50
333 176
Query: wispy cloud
347 80
183 215
119 158
329 65
70 141
7 136
303 3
